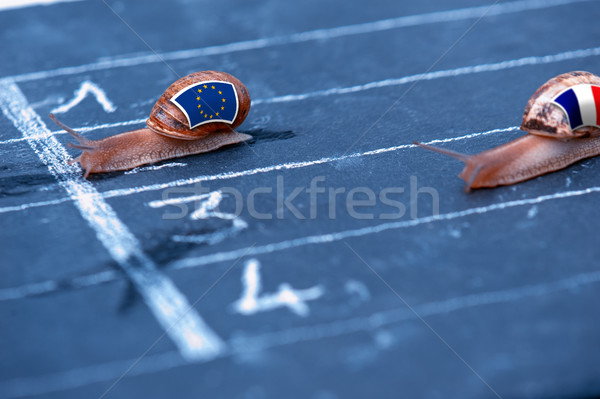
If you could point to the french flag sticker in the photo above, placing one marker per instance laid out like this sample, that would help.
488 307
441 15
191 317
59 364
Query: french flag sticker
581 104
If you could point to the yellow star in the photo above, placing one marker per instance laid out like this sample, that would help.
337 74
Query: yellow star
205 86
220 92
201 111
212 87
199 105
211 117
198 98
223 100
199 91
216 113
205 115
222 108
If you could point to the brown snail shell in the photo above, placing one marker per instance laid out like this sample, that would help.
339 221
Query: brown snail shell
165 118
167 134
543 118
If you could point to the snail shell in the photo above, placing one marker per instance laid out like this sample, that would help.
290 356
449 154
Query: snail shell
167 134
165 118
543 118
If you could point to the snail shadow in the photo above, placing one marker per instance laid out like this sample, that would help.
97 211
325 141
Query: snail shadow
263 135
22 184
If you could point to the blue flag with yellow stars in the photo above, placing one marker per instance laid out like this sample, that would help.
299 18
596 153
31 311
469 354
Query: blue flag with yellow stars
205 102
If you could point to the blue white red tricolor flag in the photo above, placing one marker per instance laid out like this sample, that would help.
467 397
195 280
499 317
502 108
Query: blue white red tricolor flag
206 102
581 104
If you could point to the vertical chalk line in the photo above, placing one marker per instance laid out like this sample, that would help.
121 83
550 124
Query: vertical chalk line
194 339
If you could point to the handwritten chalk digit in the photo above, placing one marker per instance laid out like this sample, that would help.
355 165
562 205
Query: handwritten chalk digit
81 93
250 302
208 207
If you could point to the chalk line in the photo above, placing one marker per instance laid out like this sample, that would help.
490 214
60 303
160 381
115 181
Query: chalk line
194 339
353 233
62 381
153 168
468 70
249 172
448 73
50 286
287 166
22 207
82 129
13 4
302 37
178 200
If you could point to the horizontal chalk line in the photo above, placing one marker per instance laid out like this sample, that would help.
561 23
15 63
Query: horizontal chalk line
352 233
448 73
14 4
302 37
83 129
468 70
250 172
62 381
49 286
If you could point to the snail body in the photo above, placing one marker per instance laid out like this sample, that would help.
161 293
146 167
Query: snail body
168 133
550 144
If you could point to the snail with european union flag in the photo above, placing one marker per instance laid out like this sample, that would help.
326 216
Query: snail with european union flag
195 114
563 121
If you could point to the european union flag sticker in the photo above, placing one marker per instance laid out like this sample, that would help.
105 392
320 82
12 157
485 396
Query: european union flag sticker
206 102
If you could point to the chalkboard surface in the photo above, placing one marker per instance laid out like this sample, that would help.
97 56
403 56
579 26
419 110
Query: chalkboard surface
326 258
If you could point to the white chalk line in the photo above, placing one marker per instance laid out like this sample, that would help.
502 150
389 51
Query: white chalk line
153 168
285 166
82 129
184 326
448 73
180 200
14 4
49 286
250 172
353 233
302 37
62 381
468 70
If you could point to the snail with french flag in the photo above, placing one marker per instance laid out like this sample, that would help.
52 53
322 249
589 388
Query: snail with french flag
581 104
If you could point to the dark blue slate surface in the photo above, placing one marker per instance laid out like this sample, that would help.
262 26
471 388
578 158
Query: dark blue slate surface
509 295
